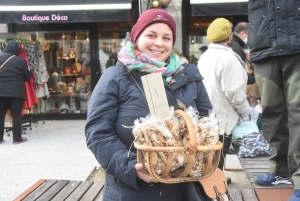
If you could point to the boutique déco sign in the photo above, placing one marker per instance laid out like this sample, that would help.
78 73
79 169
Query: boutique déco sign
44 18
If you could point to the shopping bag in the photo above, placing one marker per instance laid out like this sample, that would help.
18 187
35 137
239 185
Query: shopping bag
244 129
254 145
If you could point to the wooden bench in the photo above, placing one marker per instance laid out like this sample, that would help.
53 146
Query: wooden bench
57 190
242 194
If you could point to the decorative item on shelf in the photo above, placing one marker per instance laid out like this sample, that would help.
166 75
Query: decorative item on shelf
68 70
72 54
72 104
70 88
84 101
77 67
80 85
62 87
75 71
64 108
46 47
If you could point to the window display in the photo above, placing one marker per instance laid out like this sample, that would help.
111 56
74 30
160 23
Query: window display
59 61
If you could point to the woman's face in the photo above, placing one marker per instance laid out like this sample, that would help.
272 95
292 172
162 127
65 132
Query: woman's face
156 41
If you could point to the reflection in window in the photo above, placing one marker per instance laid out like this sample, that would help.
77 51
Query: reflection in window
111 39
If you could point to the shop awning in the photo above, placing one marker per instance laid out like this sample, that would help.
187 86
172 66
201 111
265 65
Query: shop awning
219 7
64 11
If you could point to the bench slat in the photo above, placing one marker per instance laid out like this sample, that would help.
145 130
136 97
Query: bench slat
248 194
92 193
64 193
53 190
235 193
80 191
100 196
29 190
40 190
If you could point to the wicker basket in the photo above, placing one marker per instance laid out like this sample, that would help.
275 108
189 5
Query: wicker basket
182 174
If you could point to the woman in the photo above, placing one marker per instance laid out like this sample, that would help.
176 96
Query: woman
13 73
117 101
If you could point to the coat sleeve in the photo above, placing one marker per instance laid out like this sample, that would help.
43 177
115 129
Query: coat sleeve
203 102
233 83
100 130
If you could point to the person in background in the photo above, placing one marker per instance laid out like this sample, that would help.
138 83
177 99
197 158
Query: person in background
239 40
274 43
203 49
112 60
117 101
225 80
13 73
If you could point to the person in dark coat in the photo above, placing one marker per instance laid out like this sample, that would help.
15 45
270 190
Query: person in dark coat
13 73
117 101
239 40
274 41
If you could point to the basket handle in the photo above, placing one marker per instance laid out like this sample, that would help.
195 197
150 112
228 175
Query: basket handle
191 148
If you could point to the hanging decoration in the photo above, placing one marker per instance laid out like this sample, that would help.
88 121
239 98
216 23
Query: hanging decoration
165 2
156 3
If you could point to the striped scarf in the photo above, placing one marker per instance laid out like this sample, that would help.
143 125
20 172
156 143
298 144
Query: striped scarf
135 60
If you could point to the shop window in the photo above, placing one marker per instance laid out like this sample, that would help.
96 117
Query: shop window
112 37
60 64
198 28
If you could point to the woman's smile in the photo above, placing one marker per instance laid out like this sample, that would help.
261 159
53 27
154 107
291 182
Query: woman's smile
156 41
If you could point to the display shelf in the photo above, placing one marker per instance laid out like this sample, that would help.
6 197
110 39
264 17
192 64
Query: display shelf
64 94
62 74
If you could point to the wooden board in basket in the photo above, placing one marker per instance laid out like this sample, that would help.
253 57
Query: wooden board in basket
177 150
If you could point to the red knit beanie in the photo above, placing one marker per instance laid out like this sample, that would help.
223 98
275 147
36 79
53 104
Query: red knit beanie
151 16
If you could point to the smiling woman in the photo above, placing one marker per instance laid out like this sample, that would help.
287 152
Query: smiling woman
118 100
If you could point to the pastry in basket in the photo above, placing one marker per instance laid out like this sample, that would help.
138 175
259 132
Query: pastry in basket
181 130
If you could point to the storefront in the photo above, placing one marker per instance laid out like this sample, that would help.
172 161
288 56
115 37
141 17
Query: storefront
199 14
69 45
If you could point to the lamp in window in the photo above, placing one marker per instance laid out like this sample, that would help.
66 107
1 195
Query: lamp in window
87 37
192 40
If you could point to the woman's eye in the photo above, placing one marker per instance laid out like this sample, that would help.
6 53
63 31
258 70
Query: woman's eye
167 38
150 35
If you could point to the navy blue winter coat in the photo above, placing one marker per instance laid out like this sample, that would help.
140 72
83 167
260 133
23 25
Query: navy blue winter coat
274 28
14 73
117 101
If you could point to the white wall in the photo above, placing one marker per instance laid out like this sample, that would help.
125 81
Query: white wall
3 28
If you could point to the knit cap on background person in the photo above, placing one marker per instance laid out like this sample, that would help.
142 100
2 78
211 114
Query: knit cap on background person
151 16
219 30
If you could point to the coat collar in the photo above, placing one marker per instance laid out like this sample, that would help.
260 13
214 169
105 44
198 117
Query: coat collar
238 40
222 47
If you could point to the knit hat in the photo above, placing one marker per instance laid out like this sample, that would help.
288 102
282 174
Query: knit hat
218 30
151 16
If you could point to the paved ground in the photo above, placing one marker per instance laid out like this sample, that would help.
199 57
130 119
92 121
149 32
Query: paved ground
54 150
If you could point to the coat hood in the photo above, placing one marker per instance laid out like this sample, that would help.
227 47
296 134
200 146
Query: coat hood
13 48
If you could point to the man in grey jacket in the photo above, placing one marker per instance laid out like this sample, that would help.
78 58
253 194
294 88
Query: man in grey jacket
274 41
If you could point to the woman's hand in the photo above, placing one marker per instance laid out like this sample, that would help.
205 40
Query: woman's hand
142 175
